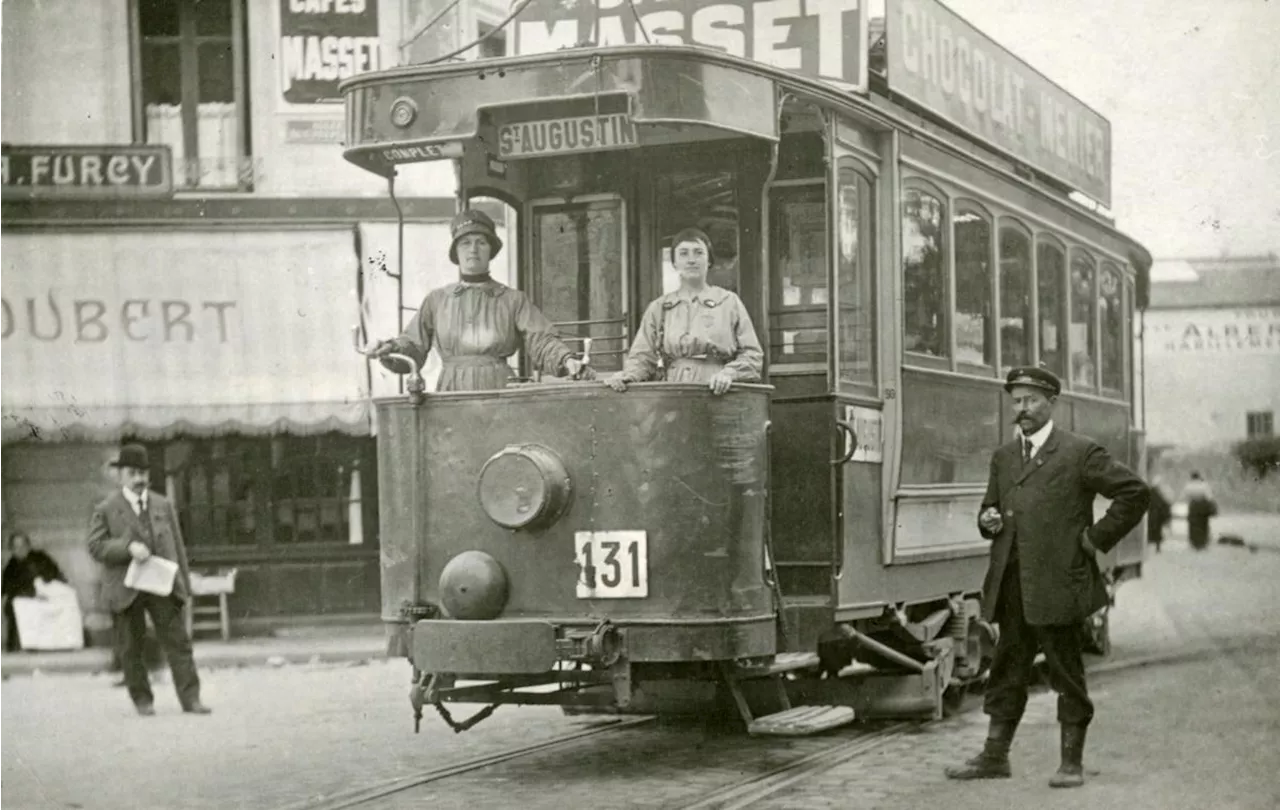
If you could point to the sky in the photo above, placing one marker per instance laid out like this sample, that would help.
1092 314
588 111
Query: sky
1192 91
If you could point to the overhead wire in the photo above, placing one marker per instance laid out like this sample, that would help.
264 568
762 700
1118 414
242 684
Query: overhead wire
632 5
515 12
429 24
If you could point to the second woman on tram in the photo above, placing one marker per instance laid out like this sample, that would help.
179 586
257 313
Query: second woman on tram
700 333
477 323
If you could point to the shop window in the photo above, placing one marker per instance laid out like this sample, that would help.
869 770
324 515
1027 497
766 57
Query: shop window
924 274
279 491
975 345
1259 424
491 45
855 275
798 290
191 89
1050 288
1083 342
1111 322
1015 298
579 273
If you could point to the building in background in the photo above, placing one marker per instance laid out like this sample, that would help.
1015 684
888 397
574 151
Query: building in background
184 255
1212 352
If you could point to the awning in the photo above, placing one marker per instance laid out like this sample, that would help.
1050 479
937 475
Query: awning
198 333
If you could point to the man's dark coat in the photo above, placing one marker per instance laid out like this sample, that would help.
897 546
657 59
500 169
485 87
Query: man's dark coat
114 525
1047 505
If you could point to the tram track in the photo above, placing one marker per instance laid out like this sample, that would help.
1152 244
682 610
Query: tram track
786 761
372 793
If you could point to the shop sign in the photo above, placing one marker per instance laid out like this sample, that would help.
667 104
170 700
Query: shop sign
86 171
564 136
942 63
823 38
314 130
323 42
1215 332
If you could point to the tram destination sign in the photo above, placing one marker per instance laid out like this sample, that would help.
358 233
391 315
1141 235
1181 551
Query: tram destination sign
86 171
564 136
823 38
952 69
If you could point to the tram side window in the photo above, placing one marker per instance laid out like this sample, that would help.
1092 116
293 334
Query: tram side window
1111 318
1084 347
1015 298
856 316
974 325
1050 284
924 274
579 276
706 200
798 282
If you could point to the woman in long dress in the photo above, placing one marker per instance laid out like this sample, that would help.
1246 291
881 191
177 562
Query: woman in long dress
700 333
477 323
1200 508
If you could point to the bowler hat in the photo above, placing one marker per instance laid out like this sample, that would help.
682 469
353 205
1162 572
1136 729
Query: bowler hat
132 455
1034 377
469 222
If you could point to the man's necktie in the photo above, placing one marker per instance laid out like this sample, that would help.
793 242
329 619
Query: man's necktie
1026 451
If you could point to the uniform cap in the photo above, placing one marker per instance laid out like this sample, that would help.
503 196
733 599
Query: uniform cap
1034 377
469 222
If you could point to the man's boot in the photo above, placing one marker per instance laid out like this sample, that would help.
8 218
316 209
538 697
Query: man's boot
1071 771
993 762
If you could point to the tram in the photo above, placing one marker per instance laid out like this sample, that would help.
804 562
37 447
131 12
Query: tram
803 551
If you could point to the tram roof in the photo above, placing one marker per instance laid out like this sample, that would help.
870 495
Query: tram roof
875 106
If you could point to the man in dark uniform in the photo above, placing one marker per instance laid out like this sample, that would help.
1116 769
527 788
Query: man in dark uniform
1044 580
134 523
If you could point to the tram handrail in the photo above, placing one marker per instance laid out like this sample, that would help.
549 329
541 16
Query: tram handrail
416 385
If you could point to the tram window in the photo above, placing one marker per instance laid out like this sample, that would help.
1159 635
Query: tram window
706 200
1050 283
924 274
798 275
974 325
856 319
578 276
1111 318
954 424
1084 347
1015 298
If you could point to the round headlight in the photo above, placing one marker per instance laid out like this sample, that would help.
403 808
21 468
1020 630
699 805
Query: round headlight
403 112
524 486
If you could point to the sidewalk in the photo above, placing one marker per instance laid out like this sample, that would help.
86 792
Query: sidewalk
299 646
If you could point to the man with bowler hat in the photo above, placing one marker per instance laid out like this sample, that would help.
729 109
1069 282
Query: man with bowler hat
134 523
1043 579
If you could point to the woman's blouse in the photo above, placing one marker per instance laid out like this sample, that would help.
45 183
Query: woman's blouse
475 327
709 326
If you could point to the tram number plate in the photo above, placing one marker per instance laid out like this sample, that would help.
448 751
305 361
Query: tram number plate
612 565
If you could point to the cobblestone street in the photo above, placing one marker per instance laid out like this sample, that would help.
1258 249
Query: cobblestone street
1196 730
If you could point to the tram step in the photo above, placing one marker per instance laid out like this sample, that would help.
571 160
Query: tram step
783 662
802 721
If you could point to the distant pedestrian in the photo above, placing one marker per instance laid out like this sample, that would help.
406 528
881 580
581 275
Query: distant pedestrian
135 523
1043 578
1200 507
26 567
1159 514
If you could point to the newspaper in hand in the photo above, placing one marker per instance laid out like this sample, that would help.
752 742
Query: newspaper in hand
153 575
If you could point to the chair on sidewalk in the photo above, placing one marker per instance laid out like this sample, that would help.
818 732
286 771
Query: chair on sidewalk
201 615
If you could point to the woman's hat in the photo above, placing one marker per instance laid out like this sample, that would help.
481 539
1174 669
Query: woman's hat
133 455
1034 377
469 222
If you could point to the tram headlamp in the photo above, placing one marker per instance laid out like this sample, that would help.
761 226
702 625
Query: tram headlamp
403 112
524 486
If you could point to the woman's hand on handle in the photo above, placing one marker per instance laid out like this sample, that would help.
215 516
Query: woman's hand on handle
617 382
721 381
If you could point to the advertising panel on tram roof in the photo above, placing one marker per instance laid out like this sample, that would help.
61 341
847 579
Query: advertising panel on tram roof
944 64
821 38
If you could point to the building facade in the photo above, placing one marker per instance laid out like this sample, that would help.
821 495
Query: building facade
185 253
1211 341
